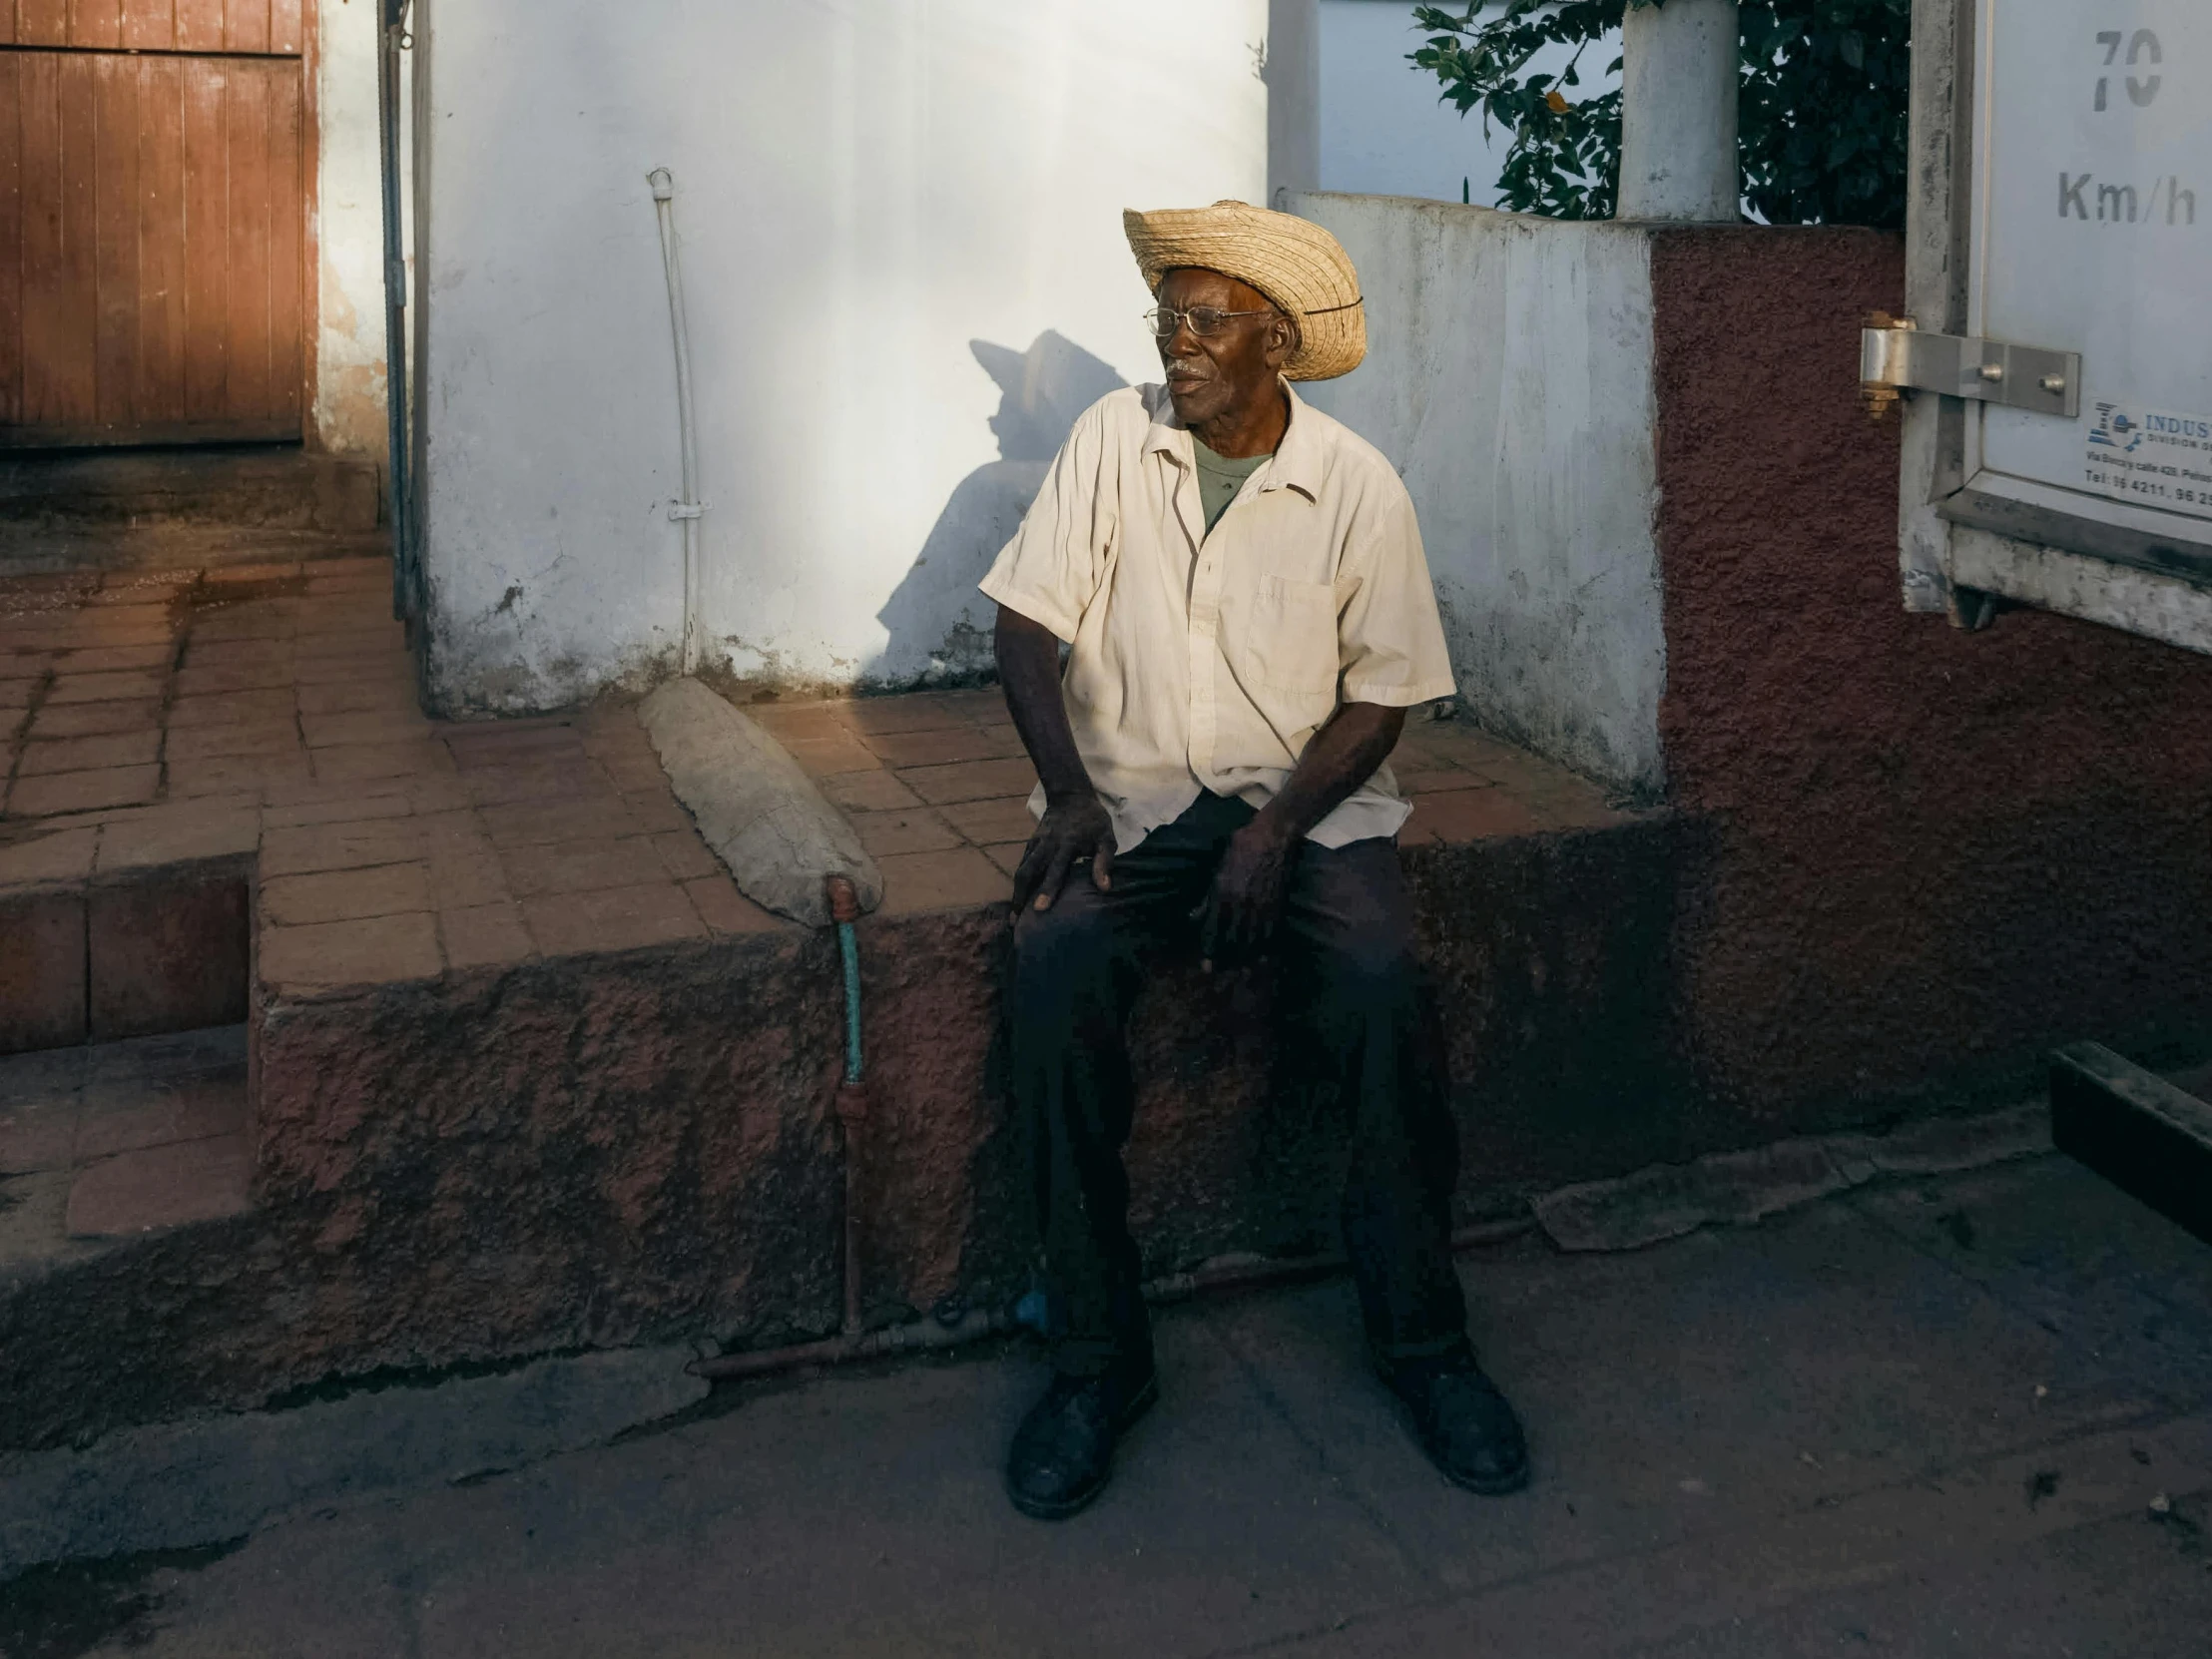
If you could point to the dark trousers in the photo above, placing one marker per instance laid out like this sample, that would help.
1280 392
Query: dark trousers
1350 997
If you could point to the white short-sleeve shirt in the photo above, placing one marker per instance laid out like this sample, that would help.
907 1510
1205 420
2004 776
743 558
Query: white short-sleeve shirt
1207 661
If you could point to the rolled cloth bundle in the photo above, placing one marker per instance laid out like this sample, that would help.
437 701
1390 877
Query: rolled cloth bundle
1298 264
771 829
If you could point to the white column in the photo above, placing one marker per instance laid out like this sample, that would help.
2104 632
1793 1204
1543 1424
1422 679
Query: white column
1678 112
1293 97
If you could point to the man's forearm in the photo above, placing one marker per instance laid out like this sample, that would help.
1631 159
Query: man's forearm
1028 656
1342 756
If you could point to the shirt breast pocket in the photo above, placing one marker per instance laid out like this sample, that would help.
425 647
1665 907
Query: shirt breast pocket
1293 638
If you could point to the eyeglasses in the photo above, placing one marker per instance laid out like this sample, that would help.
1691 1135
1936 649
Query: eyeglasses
1204 320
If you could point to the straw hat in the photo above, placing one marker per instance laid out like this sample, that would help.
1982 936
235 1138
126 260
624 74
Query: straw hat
1294 262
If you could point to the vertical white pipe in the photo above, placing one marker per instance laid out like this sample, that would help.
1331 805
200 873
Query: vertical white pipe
688 510
1679 79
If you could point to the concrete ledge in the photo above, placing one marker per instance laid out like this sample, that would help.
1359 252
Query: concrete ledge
256 487
2140 1132
133 950
170 509
619 1147
500 1163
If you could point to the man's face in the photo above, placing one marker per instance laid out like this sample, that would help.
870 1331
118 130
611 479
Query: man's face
1228 373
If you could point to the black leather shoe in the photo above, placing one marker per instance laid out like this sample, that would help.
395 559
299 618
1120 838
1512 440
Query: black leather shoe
1462 1423
1063 1452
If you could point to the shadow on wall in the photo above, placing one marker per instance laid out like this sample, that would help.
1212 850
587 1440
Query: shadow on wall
939 625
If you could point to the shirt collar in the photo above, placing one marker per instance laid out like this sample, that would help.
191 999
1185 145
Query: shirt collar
1297 461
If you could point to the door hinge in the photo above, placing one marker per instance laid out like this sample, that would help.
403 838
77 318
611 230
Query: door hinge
1895 356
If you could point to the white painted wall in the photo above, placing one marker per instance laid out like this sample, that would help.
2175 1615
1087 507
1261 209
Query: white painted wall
904 258
1383 131
348 416
1509 378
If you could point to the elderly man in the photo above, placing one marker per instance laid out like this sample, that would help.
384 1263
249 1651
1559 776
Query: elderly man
1240 584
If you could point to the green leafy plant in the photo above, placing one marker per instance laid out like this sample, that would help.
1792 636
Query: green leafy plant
1821 117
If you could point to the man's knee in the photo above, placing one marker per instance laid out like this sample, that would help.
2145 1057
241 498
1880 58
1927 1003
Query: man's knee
1368 968
1061 954
1358 928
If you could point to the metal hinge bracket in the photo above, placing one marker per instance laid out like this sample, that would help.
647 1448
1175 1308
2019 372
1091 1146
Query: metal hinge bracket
1895 356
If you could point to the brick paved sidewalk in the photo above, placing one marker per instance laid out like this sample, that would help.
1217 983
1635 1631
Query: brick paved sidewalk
201 714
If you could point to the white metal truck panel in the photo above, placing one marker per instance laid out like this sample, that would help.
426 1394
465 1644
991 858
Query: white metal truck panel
2093 233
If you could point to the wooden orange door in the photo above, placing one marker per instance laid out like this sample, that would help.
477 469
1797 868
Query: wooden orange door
152 221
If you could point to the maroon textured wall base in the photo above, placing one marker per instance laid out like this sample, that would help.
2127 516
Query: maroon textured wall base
1933 855
584 1153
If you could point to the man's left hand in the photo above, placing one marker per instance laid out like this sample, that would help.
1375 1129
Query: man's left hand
1238 918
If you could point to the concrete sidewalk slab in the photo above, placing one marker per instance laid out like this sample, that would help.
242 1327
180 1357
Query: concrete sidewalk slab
188 1484
2132 1584
2101 1271
1668 1393
1838 1432
858 1516
1967 1565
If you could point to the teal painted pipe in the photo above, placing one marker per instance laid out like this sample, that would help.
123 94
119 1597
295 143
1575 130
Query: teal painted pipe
844 911
849 948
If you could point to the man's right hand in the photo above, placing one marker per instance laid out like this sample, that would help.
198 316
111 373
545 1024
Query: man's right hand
1071 831
1075 826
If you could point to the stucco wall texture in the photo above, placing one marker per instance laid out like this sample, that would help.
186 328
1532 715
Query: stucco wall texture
582 1154
1928 856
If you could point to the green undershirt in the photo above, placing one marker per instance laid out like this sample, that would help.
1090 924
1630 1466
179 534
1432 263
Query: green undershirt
1220 478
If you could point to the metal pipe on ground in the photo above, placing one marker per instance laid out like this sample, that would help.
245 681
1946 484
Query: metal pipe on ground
923 1336
920 1335
1612 1214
